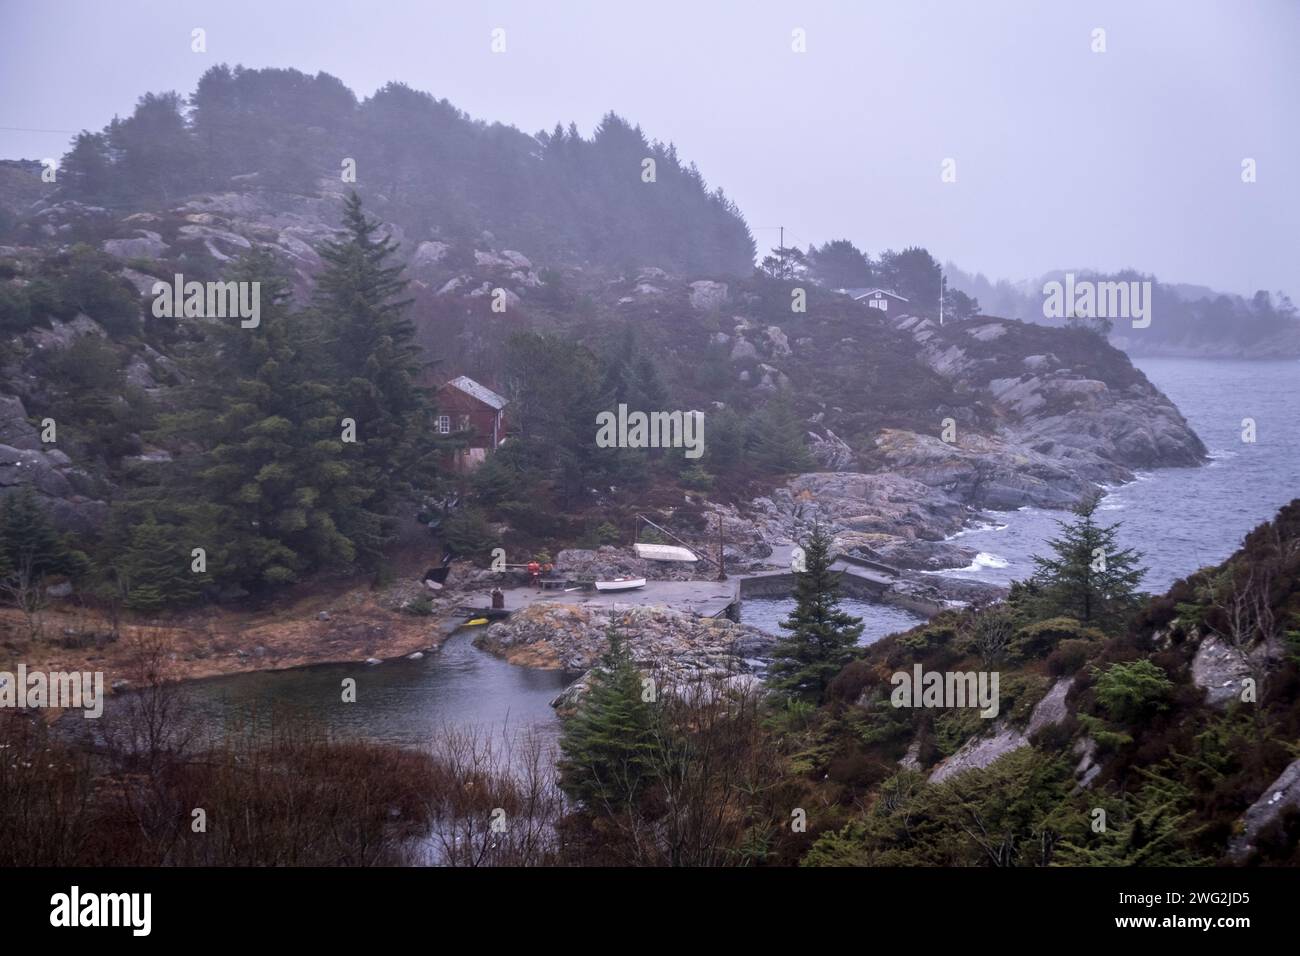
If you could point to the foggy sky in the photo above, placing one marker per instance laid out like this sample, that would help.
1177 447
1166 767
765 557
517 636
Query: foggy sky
1065 158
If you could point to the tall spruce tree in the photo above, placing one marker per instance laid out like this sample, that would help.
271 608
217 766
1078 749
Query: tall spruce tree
373 351
822 636
272 494
375 364
1091 578
607 745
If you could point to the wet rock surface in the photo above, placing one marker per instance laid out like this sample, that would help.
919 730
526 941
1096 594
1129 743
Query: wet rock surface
1281 796
981 751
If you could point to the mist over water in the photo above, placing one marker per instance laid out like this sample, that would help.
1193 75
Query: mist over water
1181 519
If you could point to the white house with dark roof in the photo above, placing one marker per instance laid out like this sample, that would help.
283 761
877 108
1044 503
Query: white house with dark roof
882 299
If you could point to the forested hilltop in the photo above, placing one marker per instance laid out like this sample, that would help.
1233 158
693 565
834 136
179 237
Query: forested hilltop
421 163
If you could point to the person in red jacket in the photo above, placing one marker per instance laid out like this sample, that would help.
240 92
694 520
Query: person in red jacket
534 573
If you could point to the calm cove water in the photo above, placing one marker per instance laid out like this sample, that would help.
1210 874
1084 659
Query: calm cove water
1182 519
403 701
878 620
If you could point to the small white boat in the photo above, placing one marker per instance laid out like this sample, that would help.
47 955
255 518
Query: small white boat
664 552
620 584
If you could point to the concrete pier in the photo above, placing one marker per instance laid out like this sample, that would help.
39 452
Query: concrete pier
865 580
702 598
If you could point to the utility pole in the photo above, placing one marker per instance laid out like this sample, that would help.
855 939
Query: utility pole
941 285
722 569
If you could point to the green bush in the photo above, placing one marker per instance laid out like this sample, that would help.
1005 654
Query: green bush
15 310
696 478
1035 641
1070 656
84 279
467 533
1108 740
532 517
955 726
421 606
1019 694
1131 690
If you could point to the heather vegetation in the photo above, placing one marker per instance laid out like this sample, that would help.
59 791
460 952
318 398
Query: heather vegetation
656 771
1170 771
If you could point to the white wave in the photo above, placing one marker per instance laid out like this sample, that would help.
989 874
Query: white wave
977 528
984 559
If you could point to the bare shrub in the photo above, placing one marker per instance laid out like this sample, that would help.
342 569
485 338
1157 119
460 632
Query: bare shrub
497 800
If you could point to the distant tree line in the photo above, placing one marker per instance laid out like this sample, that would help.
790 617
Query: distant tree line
1181 315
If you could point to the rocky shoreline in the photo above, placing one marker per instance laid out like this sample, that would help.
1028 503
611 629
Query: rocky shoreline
677 649
1064 428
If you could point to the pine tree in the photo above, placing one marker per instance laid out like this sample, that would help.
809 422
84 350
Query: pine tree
1091 578
607 745
823 637
273 493
32 545
86 170
374 363
33 550
156 568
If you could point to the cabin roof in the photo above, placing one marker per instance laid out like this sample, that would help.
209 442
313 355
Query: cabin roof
863 293
481 392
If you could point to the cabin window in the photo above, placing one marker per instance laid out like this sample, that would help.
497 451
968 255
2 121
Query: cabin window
444 424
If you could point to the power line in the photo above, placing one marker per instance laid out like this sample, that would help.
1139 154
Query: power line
30 129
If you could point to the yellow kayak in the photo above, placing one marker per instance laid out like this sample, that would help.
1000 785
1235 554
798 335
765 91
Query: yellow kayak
478 620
